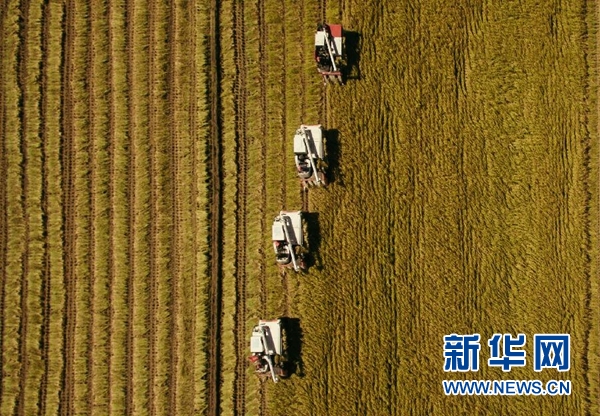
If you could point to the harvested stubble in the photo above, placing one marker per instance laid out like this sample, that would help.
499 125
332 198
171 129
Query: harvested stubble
80 206
118 261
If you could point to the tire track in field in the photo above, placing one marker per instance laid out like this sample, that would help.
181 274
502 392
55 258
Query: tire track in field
284 110
304 195
323 115
285 284
416 212
176 205
303 190
68 207
92 201
46 276
131 195
263 58
239 395
324 103
301 20
215 174
154 209
471 299
23 56
283 274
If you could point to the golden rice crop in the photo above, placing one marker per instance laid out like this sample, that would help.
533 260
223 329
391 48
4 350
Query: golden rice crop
465 194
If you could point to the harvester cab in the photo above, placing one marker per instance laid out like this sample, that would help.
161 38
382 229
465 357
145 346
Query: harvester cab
288 239
266 349
309 155
329 51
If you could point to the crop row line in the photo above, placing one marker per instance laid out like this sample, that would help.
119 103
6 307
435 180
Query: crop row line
240 98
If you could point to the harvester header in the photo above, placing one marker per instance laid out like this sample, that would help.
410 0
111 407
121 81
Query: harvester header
329 51
309 155
266 348
288 239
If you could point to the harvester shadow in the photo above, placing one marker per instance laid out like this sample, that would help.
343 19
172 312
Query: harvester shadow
314 240
293 331
333 156
353 40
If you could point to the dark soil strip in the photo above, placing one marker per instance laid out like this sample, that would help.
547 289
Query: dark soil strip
46 276
215 163
22 82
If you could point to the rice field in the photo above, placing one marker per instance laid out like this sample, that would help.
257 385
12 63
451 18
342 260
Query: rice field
146 148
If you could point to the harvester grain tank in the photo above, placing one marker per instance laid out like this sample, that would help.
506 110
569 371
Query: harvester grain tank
288 239
309 155
329 51
267 349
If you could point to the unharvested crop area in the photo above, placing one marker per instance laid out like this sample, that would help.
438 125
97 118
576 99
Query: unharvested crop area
146 147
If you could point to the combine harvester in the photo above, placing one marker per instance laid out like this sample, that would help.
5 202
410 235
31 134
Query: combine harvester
309 155
266 349
288 240
329 52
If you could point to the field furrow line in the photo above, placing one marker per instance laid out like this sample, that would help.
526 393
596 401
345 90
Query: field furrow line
131 196
216 232
154 210
22 84
68 204
264 134
262 410
46 286
193 108
3 192
111 201
263 58
284 89
242 154
176 249
90 74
